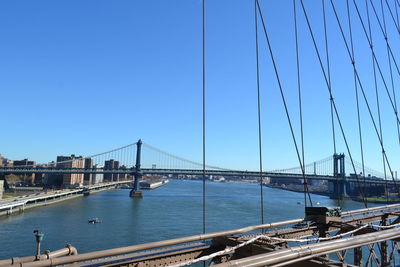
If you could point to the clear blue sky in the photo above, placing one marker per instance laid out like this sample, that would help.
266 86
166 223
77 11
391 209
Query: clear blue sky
85 76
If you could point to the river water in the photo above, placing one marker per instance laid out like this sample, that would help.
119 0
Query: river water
167 212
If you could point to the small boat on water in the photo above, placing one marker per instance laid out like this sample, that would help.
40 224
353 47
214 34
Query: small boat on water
94 221
153 184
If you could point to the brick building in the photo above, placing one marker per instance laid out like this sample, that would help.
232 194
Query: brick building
67 162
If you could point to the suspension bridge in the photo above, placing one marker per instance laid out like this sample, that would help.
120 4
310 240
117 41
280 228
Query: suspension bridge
326 236
159 162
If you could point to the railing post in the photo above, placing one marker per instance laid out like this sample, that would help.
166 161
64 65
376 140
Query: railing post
39 238
384 246
135 192
358 260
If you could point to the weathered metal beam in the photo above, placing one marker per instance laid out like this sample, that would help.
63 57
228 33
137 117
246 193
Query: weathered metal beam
305 252
160 257
318 262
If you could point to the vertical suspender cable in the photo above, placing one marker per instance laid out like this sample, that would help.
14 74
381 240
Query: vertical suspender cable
259 115
361 86
328 68
300 103
204 112
329 75
331 96
377 99
282 94
353 61
377 63
396 22
390 65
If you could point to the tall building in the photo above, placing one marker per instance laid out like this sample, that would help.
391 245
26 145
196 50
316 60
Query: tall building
88 177
67 162
111 165
24 162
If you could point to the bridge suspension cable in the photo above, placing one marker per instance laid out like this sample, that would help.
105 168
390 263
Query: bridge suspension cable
356 95
382 26
310 166
204 109
374 56
111 153
330 85
277 76
330 94
396 23
376 95
305 182
197 164
259 115
390 64
362 88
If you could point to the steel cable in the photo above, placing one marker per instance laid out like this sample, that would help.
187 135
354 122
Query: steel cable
330 85
331 97
362 89
376 92
204 111
282 94
390 66
356 94
305 182
397 25
259 115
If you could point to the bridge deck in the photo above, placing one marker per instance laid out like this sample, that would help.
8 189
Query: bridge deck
214 172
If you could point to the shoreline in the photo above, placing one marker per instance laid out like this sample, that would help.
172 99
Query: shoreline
298 191
18 205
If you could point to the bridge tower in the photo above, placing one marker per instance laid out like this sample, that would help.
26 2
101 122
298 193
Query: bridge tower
337 188
135 192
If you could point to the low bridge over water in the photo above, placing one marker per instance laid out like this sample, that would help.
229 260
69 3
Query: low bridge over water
331 169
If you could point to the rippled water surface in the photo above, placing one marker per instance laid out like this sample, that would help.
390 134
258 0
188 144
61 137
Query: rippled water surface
170 211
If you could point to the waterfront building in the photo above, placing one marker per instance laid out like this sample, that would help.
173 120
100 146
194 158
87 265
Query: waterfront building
67 162
24 162
111 165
